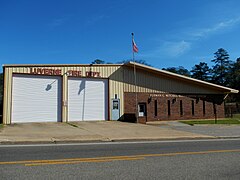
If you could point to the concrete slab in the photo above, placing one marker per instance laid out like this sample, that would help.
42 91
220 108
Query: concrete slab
45 132
88 132
115 130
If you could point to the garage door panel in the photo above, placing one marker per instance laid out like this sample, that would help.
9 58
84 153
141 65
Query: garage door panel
87 99
36 98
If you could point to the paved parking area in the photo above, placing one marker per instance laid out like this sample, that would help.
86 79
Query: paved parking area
211 130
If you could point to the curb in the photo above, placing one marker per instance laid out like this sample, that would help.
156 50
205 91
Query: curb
111 140
227 137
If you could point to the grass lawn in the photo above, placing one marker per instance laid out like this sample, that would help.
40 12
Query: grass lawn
1 125
228 121
236 116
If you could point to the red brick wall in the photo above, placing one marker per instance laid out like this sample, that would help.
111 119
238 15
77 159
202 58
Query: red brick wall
162 107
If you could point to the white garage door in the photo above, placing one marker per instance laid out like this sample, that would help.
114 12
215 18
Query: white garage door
36 98
87 99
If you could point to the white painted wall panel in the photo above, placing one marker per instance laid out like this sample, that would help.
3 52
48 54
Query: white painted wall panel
36 98
87 99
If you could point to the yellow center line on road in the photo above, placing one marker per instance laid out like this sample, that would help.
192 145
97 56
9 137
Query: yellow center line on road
86 161
189 153
63 160
109 158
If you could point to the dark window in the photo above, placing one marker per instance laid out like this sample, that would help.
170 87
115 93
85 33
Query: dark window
204 109
142 109
169 108
193 107
115 104
214 109
155 108
181 108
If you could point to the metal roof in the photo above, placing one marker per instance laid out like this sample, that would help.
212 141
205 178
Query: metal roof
182 77
56 65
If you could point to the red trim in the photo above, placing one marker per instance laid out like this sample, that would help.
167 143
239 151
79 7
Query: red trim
27 74
83 77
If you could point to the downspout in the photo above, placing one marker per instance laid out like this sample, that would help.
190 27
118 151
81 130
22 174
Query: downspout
224 104
226 96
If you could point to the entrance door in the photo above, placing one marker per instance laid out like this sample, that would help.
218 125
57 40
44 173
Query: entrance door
115 109
142 111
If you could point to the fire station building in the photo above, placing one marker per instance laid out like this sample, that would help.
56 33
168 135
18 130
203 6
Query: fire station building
65 93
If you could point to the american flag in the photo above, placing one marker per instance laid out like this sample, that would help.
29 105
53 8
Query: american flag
135 48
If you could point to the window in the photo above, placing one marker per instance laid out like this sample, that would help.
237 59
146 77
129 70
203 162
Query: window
214 109
204 109
181 108
155 108
115 104
142 109
193 107
169 108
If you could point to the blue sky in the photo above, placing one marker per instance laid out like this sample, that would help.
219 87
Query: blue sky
169 33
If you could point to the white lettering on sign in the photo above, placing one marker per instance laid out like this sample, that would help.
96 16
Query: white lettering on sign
165 95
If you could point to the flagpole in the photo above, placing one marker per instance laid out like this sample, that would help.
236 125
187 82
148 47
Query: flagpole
135 79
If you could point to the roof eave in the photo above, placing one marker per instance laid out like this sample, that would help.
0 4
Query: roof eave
222 88
234 91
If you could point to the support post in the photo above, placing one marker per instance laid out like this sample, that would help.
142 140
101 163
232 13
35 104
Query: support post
135 80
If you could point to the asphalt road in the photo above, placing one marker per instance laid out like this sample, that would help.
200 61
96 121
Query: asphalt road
206 159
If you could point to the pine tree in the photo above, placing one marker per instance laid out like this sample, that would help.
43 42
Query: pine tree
234 75
98 61
201 71
221 67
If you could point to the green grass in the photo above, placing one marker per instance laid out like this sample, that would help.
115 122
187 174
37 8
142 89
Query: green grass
226 121
236 116
1 126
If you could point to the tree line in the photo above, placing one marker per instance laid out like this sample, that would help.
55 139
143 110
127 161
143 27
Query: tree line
224 72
